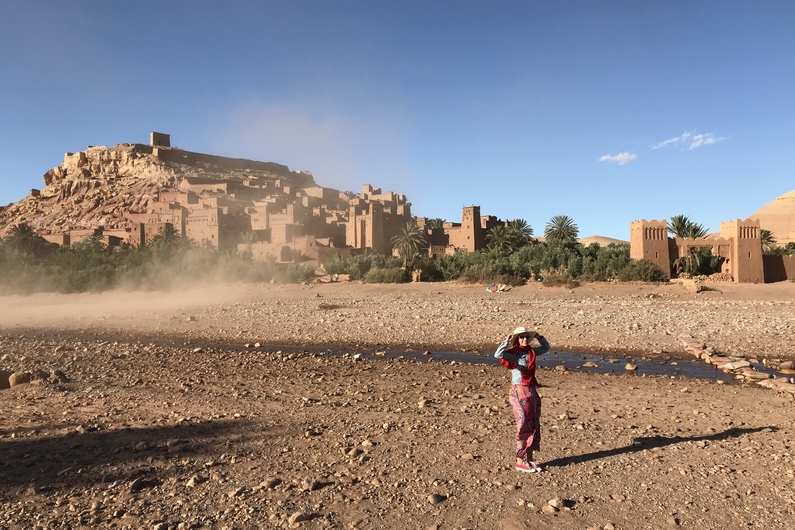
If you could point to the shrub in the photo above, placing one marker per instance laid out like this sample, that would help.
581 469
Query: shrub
558 278
430 269
293 273
336 265
452 266
359 265
642 270
388 275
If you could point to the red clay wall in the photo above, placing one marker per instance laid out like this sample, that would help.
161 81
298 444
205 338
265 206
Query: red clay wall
779 268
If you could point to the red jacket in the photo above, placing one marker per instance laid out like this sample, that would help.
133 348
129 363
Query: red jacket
528 370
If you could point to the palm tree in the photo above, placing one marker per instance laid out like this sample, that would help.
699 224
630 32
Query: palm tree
682 226
167 240
561 229
23 240
696 230
768 239
408 242
436 222
498 237
93 243
520 232
248 238
678 226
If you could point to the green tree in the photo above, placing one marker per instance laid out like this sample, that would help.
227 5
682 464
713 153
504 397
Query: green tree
167 242
408 242
561 229
520 233
23 241
695 230
642 270
677 226
768 240
248 238
436 222
91 244
498 237
682 226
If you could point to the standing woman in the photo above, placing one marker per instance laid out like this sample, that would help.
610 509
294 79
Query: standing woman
516 354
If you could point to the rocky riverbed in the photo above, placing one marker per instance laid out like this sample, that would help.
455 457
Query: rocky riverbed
248 407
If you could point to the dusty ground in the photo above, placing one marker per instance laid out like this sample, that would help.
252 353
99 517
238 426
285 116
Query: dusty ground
166 414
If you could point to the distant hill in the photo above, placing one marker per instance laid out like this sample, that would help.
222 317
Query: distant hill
602 240
778 216
585 241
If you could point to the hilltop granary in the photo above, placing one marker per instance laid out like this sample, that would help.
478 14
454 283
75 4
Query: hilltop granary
128 193
258 207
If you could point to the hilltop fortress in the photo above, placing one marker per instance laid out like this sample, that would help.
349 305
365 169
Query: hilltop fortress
129 193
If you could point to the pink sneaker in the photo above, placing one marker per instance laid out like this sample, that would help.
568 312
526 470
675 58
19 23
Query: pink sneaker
528 467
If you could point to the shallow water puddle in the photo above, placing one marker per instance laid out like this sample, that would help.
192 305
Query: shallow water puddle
605 364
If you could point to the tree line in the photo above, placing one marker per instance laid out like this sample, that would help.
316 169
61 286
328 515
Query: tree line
30 263
512 256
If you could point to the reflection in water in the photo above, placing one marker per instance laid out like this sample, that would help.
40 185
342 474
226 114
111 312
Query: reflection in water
604 363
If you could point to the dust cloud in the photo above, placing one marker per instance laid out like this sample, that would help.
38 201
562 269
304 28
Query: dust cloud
113 309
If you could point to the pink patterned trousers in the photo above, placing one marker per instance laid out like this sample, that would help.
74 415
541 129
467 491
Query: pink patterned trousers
526 405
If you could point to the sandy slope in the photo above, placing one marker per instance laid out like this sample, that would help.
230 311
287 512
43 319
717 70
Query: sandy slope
169 421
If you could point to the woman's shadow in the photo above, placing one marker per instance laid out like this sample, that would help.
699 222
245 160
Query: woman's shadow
650 442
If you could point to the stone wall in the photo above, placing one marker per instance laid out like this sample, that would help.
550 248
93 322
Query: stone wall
302 179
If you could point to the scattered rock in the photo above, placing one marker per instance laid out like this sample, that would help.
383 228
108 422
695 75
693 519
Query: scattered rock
309 484
270 483
19 378
142 483
298 517
194 480
436 498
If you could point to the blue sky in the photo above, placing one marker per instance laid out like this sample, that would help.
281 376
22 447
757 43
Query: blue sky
605 111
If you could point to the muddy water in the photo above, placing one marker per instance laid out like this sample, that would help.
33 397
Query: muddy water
575 362
605 364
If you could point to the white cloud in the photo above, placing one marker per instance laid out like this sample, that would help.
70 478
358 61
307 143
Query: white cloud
691 139
620 158
704 139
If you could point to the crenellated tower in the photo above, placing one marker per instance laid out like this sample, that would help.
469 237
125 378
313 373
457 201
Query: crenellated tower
649 240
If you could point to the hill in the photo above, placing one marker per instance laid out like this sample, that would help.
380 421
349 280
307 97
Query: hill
602 240
98 187
778 216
